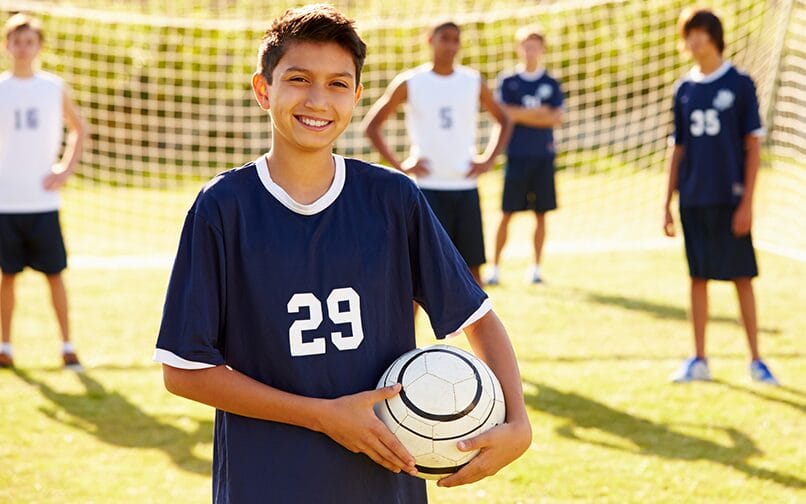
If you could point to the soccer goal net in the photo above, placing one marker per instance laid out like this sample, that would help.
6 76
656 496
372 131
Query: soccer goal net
165 89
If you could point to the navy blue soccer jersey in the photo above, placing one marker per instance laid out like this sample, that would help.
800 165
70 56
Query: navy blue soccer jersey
712 116
530 90
315 300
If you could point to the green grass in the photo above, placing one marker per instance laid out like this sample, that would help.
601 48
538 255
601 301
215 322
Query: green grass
595 345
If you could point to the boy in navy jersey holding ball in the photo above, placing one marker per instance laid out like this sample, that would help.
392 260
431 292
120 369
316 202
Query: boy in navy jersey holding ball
713 167
292 292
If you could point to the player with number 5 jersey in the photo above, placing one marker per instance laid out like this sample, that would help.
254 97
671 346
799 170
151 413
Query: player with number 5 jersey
441 100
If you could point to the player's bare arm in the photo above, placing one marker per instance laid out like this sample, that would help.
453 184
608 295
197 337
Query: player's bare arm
502 444
499 137
348 420
743 216
674 166
535 117
394 96
74 145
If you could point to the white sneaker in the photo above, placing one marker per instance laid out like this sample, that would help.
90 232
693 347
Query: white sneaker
693 369
761 373
491 278
533 274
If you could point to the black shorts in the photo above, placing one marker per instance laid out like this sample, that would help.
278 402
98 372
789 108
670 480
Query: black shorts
32 239
529 185
712 250
459 212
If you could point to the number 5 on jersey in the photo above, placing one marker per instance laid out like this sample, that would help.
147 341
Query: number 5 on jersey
317 346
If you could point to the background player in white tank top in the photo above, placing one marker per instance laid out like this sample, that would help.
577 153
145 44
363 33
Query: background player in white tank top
34 107
441 102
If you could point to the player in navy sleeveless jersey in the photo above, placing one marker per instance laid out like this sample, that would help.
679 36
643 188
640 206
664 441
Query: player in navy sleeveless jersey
534 100
292 291
713 168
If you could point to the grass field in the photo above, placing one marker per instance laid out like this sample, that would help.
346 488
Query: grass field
595 344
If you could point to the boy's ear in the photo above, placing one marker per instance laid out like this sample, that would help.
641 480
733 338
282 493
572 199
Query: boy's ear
261 90
359 90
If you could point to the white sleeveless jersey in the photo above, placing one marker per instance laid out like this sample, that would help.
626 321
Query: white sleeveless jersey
31 132
441 119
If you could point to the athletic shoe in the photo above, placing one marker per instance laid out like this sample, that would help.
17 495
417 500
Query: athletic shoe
71 362
6 361
693 369
492 276
533 275
761 373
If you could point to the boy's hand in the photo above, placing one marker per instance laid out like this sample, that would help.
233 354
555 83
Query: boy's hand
56 179
742 220
417 167
352 423
499 446
479 167
668 223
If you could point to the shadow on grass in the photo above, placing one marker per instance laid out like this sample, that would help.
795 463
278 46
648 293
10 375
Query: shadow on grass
769 397
615 357
650 438
113 419
663 311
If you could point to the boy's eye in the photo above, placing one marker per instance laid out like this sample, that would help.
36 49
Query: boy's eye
297 78
340 84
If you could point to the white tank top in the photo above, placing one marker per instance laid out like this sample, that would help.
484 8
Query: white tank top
31 132
441 119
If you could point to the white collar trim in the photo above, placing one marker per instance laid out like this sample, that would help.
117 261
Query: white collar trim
530 76
283 197
697 76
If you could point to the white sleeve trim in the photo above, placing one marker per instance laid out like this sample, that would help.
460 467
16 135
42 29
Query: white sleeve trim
761 132
486 306
173 360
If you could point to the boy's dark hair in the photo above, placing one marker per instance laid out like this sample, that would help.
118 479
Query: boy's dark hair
443 25
19 22
318 23
705 20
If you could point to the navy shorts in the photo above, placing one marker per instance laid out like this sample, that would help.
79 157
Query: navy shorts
34 240
529 185
459 212
712 250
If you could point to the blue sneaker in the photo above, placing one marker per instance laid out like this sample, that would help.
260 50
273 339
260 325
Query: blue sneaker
761 373
693 369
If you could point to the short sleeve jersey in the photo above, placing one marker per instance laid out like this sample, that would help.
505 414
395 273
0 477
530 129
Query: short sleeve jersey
31 132
315 300
712 115
530 90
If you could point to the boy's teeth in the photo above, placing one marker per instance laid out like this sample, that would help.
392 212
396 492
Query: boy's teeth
313 122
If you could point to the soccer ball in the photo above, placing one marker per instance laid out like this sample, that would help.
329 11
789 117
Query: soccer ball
448 395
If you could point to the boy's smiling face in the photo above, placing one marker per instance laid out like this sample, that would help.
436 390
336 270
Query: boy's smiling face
312 95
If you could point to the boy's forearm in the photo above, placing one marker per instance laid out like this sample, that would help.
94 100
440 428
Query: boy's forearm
229 390
674 166
499 137
375 136
490 342
73 150
751 167
538 117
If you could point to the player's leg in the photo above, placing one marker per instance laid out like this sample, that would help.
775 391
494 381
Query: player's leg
48 255
699 314
500 242
695 233
747 307
514 198
12 262
6 311
469 238
545 200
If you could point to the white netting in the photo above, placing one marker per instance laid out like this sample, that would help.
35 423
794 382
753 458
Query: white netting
165 88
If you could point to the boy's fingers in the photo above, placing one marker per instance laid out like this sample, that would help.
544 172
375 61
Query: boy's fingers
385 392
395 446
470 473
